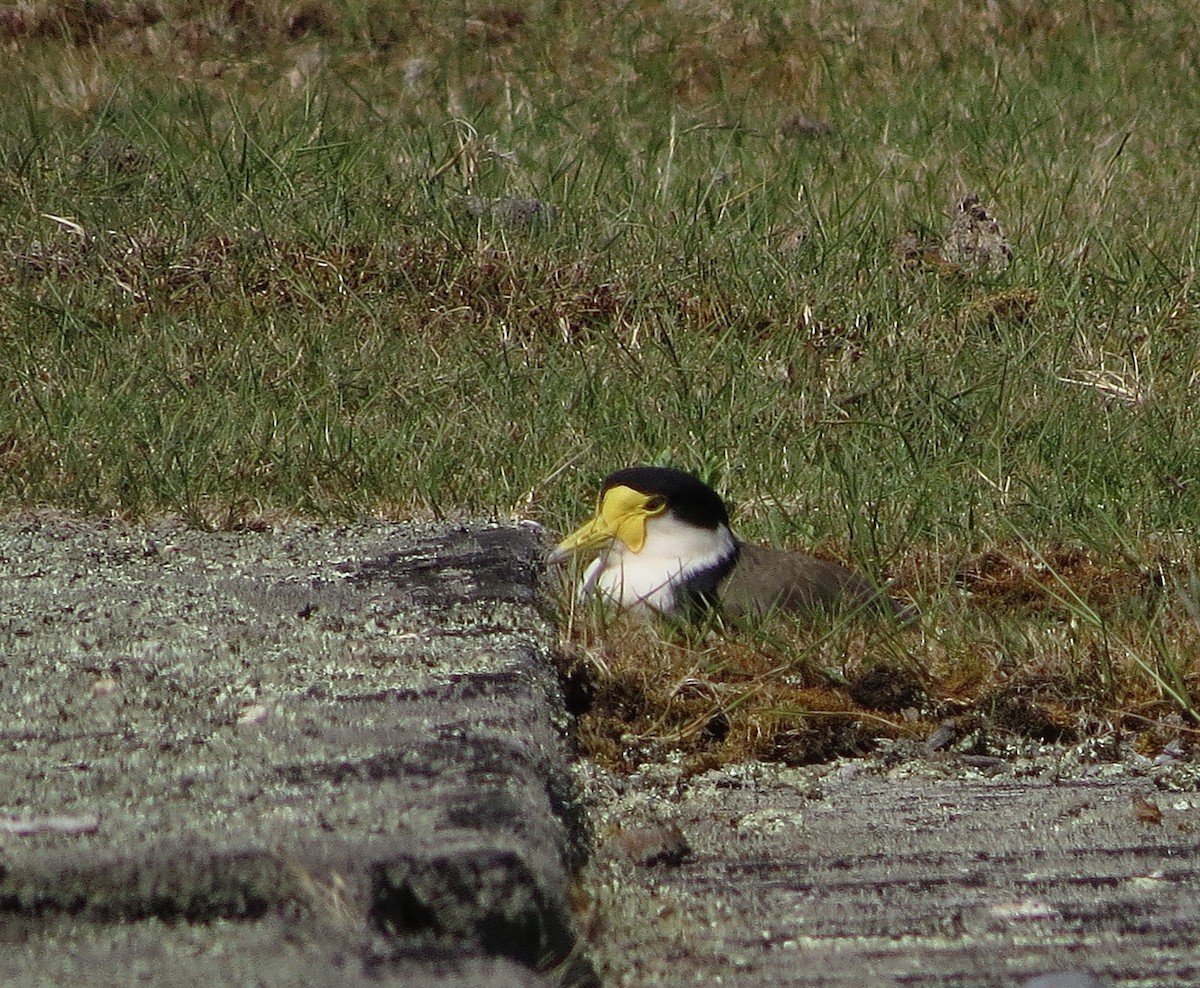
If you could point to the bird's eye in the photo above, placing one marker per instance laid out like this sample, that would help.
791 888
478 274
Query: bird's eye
656 504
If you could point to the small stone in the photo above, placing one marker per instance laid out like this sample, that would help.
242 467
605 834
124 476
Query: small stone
801 125
664 844
255 713
1146 810
945 734
522 214
975 242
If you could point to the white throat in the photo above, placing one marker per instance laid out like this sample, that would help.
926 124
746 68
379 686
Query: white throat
648 581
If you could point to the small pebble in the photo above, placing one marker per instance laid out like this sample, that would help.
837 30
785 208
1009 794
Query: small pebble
664 844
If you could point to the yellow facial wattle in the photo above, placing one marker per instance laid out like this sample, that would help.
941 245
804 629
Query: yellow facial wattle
622 515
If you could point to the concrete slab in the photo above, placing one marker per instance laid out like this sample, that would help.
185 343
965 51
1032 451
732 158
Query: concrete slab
935 874
318 755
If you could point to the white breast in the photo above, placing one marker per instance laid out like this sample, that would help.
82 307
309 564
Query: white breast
646 581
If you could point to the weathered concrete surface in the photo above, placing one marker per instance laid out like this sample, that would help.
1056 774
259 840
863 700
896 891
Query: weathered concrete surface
315 756
338 757
922 874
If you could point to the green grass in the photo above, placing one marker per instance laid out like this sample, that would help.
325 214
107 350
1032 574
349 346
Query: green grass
238 279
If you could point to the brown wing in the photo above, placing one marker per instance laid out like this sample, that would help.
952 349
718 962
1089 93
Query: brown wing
767 579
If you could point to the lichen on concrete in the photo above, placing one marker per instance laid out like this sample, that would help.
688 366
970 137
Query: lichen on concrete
250 728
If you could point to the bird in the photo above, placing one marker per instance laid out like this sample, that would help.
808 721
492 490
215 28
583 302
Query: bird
663 548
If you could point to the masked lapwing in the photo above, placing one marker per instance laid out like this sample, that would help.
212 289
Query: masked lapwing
663 546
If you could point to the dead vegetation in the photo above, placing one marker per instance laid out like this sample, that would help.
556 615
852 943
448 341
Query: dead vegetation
800 694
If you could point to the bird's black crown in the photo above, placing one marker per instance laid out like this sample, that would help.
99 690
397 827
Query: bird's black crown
689 499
